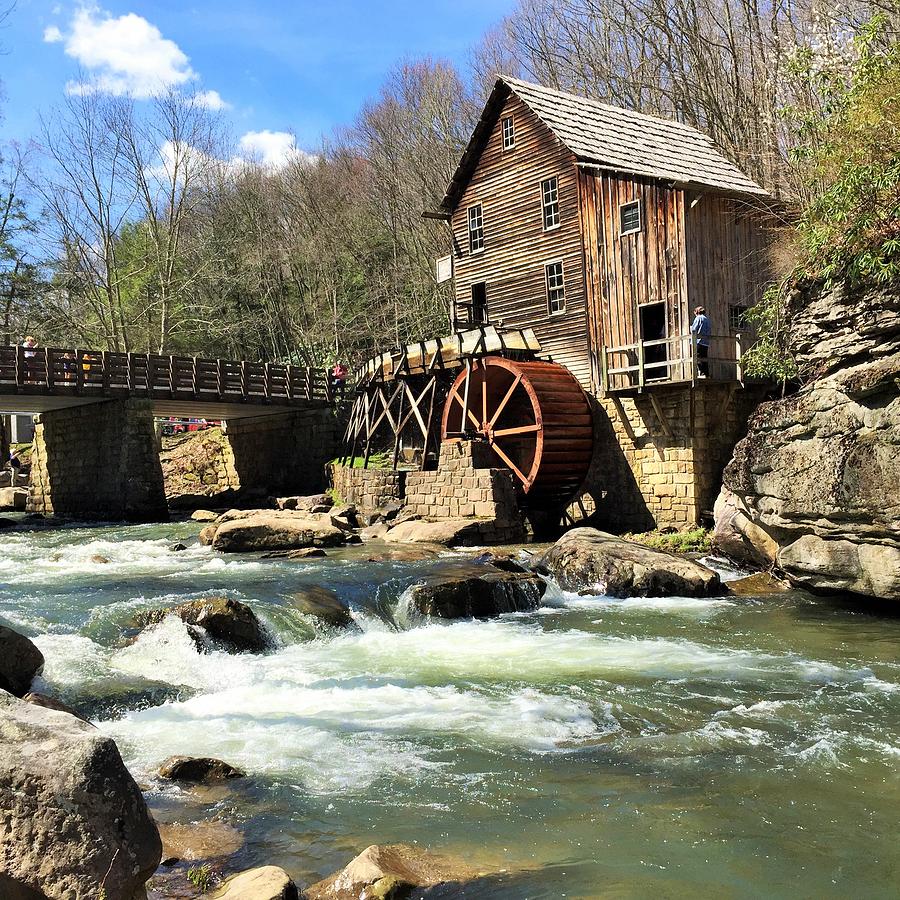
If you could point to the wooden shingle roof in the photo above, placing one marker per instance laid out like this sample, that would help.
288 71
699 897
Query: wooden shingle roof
619 140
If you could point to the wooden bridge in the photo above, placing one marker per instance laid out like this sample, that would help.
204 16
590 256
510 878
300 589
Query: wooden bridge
46 378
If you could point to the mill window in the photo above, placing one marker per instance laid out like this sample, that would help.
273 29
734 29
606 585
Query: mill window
630 218
476 228
556 288
737 318
550 202
509 133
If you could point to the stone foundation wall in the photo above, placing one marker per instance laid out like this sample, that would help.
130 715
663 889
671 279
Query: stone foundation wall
463 487
98 461
368 489
660 466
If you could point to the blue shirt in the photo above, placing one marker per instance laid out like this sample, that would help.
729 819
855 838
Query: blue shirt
702 327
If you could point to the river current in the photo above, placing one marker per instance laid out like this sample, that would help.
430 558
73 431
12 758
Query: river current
738 747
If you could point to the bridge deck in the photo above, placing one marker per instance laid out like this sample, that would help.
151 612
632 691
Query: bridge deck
48 378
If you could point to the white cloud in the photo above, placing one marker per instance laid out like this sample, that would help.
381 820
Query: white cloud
211 100
125 55
272 149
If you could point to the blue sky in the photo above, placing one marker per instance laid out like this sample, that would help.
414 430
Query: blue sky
305 66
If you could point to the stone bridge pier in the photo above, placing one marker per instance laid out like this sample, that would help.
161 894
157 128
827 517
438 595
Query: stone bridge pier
101 460
98 461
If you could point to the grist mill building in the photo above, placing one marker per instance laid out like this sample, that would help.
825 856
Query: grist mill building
582 238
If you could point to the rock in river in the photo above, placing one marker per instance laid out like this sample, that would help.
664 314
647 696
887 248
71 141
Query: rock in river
324 604
20 661
270 530
73 820
198 770
393 870
223 619
263 883
592 561
477 594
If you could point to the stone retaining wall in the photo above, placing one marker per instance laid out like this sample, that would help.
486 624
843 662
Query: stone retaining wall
98 461
368 489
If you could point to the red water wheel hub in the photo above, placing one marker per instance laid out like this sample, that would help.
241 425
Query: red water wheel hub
533 415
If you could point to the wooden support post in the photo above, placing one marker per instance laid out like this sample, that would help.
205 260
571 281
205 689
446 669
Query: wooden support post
693 359
289 384
244 380
129 359
640 352
48 368
661 417
220 378
267 381
194 376
309 383
20 370
79 371
104 370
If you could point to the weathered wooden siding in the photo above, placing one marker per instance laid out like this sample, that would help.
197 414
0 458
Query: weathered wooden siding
728 256
508 185
623 272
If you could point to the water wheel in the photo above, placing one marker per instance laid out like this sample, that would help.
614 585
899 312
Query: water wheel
534 416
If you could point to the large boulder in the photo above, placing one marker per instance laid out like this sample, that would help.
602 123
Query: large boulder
323 604
73 820
20 661
592 561
478 594
391 871
814 487
263 883
225 620
446 532
271 530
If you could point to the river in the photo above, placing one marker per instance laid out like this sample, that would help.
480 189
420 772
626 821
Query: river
737 747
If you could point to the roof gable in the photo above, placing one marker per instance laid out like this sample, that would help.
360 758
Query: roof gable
617 139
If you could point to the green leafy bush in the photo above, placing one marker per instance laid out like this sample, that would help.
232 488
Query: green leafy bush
849 227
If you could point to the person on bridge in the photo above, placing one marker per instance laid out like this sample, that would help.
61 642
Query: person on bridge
30 344
338 379
702 327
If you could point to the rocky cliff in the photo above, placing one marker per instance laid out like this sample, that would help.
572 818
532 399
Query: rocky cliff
815 485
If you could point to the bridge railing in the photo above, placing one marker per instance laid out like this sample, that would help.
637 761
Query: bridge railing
57 370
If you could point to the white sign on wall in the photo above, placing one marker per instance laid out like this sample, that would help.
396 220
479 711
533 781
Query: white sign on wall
444 269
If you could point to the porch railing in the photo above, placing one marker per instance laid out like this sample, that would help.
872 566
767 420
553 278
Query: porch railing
672 360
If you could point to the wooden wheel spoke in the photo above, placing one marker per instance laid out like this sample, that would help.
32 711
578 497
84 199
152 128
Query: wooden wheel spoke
505 399
522 429
499 451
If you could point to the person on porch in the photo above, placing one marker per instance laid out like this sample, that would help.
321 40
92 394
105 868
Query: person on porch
702 327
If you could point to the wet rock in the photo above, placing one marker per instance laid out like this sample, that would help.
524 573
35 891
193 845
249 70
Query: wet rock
304 553
226 620
324 604
53 703
198 770
447 532
7 523
274 531
762 584
479 595
404 554
373 532
592 561
738 536
99 559
354 539
199 840
391 871
207 535
20 661
263 883
314 503
390 511
177 548
73 821
204 515
344 517
13 498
